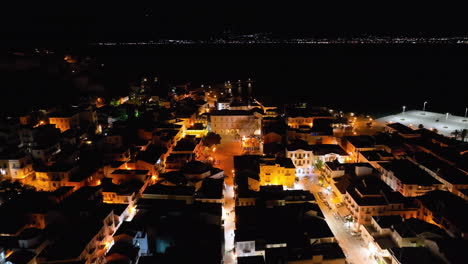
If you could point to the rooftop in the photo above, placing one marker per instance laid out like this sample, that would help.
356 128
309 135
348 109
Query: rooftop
171 190
448 205
349 168
376 155
410 255
361 141
324 149
329 251
126 188
281 161
409 173
251 260
130 172
210 189
411 227
186 144
402 129
370 190
195 167
247 162
151 154
283 224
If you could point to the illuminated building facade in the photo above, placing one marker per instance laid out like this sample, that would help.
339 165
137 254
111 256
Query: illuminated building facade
277 171
235 122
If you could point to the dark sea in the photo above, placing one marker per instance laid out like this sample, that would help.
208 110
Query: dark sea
373 79
364 78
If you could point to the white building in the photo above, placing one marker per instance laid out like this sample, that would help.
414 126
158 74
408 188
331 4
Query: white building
15 166
305 156
302 159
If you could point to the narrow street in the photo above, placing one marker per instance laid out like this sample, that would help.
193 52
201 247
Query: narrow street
353 246
224 154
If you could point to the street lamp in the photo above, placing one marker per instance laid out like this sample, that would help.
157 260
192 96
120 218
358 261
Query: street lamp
424 105
446 117
466 111
404 107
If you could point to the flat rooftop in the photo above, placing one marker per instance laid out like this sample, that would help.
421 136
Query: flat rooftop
409 173
413 118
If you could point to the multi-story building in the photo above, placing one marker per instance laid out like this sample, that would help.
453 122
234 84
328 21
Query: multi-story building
369 196
445 210
298 116
235 122
277 171
302 158
46 151
65 120
355 144
407 178
30 136
52 177
265 232
305 156
385 233
86 244
223 103
340 176
15 166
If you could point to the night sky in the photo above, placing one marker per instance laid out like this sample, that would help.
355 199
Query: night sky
81 21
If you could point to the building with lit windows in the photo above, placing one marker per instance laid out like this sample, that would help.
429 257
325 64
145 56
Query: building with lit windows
387 233
355 144
303 116
235 122
369 196
302 157
408 178
305 156
277 171
15 166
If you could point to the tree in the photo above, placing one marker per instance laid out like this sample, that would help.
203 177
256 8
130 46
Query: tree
421 126
211 139
456 133
319 164
463 134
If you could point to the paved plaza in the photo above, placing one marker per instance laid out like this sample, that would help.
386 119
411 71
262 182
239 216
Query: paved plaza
445 125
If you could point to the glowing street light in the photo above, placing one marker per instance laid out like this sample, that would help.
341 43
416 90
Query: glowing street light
404 107
424 105
446 116
466 111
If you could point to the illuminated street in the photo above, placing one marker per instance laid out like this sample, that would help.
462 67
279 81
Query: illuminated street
360 126
356 252
224 154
